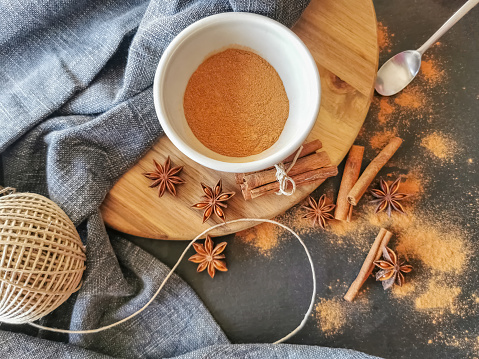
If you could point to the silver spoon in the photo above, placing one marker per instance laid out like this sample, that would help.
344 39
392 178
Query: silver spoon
400 70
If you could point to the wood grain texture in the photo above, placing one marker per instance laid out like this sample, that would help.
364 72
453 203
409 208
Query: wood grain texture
341 35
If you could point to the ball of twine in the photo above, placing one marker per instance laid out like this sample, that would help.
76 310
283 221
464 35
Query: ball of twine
42 258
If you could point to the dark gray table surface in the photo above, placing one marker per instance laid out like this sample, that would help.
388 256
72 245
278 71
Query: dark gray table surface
260 299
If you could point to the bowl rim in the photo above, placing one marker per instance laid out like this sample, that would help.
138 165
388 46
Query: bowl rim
236 167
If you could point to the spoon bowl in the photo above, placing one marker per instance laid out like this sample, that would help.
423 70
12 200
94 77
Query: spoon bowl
398 72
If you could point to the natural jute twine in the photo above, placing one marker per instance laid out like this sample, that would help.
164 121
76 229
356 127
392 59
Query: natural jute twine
42 258
293 332
283 178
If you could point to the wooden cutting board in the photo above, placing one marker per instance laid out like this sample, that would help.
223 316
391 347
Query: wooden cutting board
341 35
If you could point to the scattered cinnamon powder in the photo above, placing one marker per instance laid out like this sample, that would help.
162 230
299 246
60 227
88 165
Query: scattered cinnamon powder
384 38
331 315
235 103
467 342
431 72
405 290
438 296
382 138
264 237
441 249
410 98
385 110
411 101
440 145
413 184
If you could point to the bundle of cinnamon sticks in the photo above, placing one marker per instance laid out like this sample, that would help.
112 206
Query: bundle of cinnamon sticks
310 167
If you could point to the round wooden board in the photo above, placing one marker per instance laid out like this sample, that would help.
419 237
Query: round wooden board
341 35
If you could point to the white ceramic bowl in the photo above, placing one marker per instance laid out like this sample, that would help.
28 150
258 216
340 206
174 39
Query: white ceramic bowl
276 44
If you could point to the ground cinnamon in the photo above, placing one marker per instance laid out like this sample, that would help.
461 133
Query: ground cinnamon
440 145
384 38
235 103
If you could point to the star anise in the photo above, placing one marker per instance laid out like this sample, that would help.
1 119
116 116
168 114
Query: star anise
165 177
391 270
213 201
318 212
388 197
207 257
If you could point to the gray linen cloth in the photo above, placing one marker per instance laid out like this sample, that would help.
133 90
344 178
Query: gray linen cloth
76 112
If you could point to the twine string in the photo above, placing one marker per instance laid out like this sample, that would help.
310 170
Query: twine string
293 332
283 178
5 191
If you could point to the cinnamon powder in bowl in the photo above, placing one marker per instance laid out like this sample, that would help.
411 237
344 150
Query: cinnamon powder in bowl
235 103
237 92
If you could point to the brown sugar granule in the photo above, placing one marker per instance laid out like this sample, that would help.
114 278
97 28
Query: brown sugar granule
331 315
235 103
438 296
264 237
440 145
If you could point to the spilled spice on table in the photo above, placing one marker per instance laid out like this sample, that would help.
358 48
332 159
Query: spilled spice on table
431 71
413 183
406 289
264 237
385 109
440 145
382 138
412 102
331 315
414 99
438 296
467 342
441 248
384 37
411 98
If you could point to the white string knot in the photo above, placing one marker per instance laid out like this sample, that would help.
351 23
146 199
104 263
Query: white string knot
283 178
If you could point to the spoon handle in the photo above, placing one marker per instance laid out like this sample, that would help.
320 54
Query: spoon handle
448 24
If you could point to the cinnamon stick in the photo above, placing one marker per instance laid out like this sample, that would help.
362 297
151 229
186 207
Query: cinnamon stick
374 254
372 170
307 163
308 148
350 176
300 179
